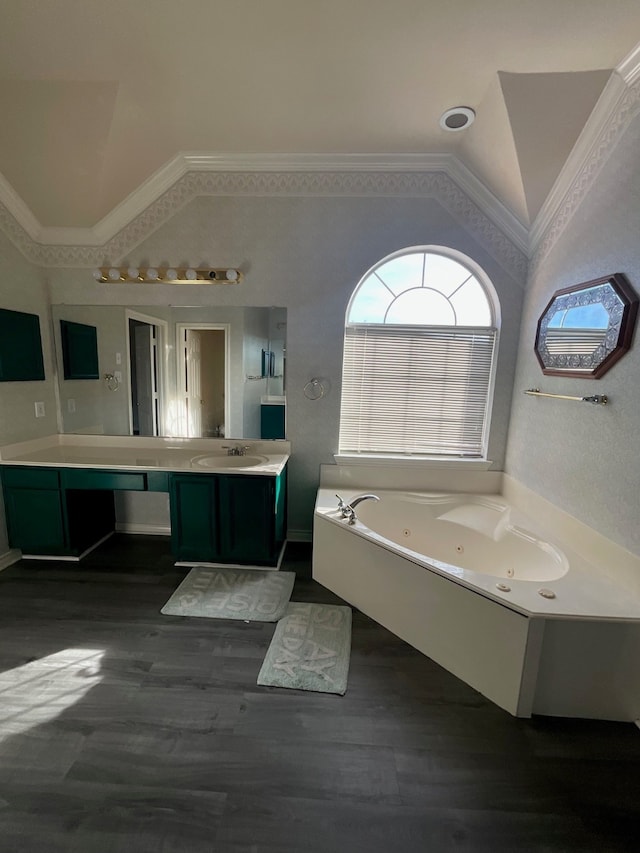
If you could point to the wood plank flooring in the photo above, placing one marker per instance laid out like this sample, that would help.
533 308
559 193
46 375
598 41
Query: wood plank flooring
125 730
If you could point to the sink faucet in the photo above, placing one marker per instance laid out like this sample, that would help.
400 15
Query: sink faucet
348 510
238 450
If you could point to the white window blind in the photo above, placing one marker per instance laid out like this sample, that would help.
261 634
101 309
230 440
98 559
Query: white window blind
416 389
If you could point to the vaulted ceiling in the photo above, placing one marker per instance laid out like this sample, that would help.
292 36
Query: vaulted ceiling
97 96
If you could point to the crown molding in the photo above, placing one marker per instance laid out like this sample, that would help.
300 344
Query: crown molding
16 208
615 109
192 174
581 153
629 68
478 192
609 117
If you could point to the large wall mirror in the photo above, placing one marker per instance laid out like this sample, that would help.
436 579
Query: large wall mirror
171 371
585 329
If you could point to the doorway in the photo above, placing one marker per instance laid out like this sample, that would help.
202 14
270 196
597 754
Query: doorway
203 370
145 374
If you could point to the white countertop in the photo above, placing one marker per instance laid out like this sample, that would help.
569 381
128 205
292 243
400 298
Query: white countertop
196 455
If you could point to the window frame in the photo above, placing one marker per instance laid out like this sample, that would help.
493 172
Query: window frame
475 461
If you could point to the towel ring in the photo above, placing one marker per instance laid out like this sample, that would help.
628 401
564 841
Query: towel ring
314 389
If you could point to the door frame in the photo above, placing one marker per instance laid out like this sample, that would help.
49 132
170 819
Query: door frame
181 391
161 327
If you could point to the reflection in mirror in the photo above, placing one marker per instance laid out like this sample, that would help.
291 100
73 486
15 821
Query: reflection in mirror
192 372
585 329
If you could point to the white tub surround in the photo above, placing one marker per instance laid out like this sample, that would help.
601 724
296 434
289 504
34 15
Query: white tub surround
490 594
405 473
196 455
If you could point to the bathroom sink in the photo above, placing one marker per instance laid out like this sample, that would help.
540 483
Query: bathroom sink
221 461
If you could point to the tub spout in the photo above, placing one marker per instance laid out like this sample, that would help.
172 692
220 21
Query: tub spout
348 510
354 503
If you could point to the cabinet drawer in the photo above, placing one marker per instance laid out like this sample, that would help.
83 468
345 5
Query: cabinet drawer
31 478
87 478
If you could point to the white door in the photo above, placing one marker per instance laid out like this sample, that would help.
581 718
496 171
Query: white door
203 379
193 378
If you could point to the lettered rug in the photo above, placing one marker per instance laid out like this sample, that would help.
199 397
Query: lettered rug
248 594
310 649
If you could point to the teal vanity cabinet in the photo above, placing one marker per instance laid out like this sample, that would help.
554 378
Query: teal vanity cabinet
46 517
248 518
228 518
34 510
195 522
221 518
272 420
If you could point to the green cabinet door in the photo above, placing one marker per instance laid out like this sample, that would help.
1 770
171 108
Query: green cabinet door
194 517
35 521
247 519
226 518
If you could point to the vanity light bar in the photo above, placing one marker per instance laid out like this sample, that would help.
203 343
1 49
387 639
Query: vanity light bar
168 275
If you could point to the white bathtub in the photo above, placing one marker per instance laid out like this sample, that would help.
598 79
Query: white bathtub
482 589
473 533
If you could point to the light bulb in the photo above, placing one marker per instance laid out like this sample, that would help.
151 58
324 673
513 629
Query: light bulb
97 274
114 274
191 275
232 275
133 273
152 274
171 274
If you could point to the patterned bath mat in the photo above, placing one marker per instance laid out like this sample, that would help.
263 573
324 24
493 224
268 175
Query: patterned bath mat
310 649
248 594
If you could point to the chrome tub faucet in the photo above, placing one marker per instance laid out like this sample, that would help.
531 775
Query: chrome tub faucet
348 510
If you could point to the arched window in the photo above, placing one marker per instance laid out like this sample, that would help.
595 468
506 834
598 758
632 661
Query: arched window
419 357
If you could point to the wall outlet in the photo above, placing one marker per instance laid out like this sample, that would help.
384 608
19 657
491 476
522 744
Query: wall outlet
71 405
118 358
39 407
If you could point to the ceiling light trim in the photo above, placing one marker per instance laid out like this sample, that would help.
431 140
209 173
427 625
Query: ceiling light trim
467 114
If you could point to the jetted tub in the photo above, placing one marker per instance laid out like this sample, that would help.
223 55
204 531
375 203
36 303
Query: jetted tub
480 588
464 533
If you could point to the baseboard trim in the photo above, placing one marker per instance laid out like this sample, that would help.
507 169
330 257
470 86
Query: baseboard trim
68 559
299 536
145 529
9 558
193 563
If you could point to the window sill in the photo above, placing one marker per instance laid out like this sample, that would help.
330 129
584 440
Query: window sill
406 461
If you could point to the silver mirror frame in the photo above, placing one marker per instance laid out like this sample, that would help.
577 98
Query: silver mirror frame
617 296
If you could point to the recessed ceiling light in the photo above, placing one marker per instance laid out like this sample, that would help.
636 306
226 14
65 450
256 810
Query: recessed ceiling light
457 118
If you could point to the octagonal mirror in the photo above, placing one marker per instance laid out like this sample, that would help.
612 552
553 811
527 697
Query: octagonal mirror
585 329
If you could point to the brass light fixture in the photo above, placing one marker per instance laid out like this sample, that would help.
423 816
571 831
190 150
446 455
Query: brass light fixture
167 275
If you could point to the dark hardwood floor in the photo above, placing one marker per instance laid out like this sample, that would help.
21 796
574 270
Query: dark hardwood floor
125 730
